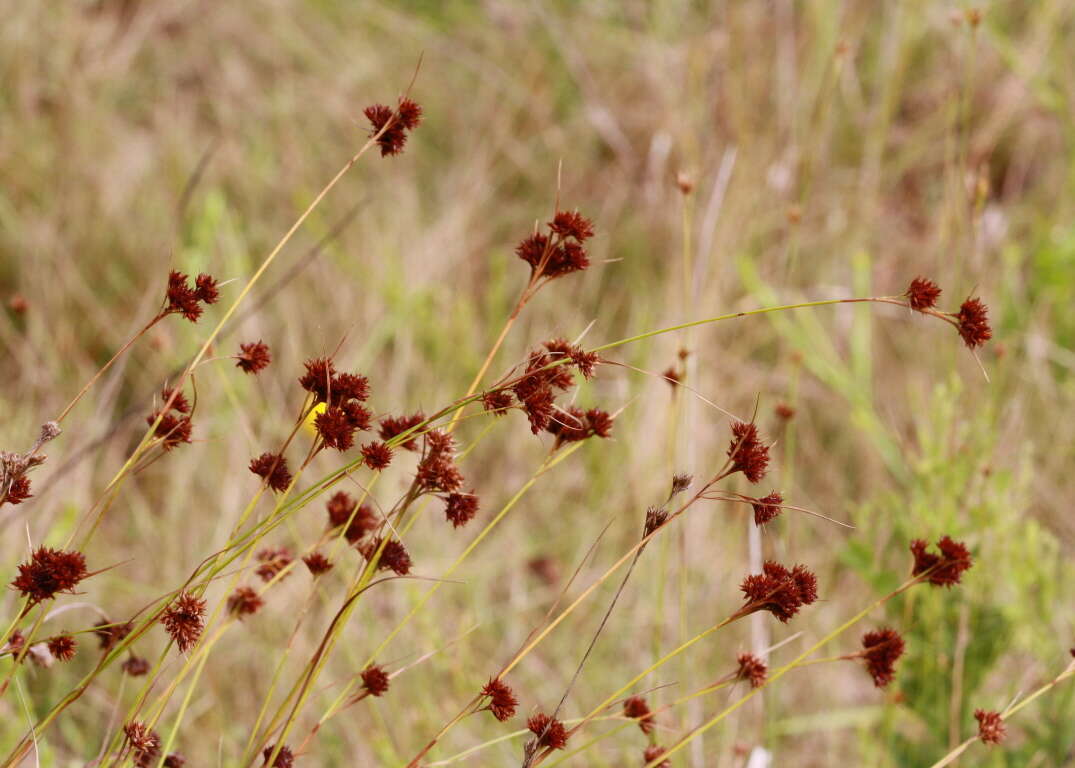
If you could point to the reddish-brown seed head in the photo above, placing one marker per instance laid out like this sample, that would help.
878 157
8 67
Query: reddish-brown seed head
317 563
497 401
377 455
181 298
48 572
941 570
342 508
391 426
318 378
244 602
922 294
502 701
532 249
108 633
272 468
549 731
437 471
751 668
636 708
766 508
410 113
18 304
253 357
991 728
172 430
881 649
395 124
784 412
205 288
973 319
394 557
144 742
335 428
184 620
62 647
19 490
572 224
778 590
655 752
273 562
178 399
375 680
285 758
460 508
136 666
747 452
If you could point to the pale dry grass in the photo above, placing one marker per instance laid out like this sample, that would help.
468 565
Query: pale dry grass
818 172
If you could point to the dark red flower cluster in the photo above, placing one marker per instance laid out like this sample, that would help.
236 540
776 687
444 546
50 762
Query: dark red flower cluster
941 570
747 452
502 701
585 362
273 561
175 760
14 644
143 742
778 590
62 647
184 620
344 510
272 468
48 572
437 472
375 680
545 374
766 508
343 394
377 455
751 668
393 426
561 251
180 298
244 602
574 424
399 123
18 490
317 563
497 401
460 508
285 758
253 357
973 319
174 427
922 294
136 666
655 518
680 483
393 557
784 412
991 728
108 633
881 649
178 400
656 752
549 731
635 708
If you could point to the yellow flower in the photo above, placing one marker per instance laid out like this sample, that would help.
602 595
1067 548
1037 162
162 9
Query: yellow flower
312 417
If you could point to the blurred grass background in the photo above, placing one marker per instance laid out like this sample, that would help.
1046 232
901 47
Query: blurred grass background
834 148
